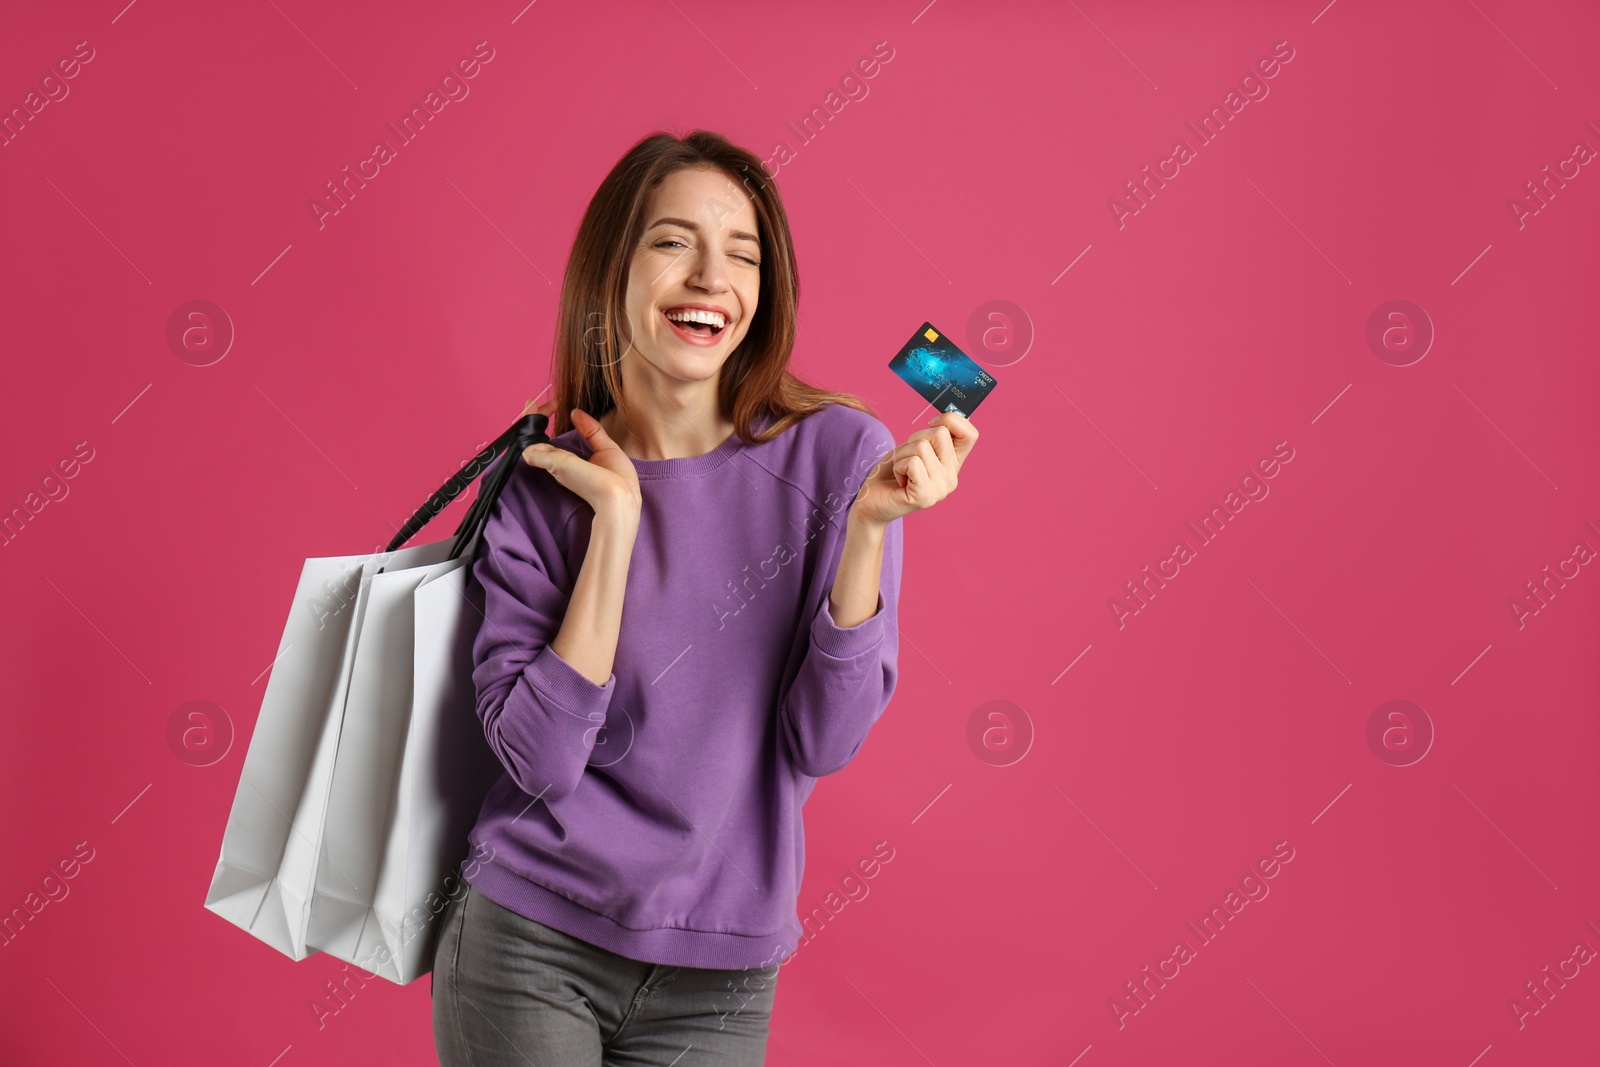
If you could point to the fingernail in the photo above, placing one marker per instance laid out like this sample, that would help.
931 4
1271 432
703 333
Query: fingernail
933 420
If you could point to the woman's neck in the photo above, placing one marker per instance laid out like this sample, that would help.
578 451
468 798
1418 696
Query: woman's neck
676 437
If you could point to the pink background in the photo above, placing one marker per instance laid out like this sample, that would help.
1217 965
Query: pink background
373 354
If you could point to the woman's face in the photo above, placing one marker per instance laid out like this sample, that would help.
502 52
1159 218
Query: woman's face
700 252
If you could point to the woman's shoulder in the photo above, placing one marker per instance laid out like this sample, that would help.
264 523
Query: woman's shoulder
827 447
851 431
837 423
572 441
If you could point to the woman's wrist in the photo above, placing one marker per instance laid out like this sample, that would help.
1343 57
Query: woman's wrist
618 514
855 519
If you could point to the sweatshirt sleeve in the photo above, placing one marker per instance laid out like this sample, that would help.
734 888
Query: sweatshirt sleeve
540 714
848 673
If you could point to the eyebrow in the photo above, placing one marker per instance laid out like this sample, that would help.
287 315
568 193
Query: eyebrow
736 235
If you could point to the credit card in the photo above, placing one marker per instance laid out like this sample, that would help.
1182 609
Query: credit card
941 373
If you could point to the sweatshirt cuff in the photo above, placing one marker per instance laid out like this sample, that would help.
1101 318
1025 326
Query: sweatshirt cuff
559 681
842 642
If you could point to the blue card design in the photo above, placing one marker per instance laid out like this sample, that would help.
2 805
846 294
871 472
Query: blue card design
945 376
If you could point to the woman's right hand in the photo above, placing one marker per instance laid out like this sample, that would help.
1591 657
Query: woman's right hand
606 480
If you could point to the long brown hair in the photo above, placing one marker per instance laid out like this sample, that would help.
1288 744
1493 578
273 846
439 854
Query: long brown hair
591 327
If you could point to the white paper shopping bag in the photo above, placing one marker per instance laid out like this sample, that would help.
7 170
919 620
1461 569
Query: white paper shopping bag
277 807
446 769
272 850
362 794
368 764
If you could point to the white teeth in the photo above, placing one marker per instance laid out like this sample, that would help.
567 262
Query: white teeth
710 318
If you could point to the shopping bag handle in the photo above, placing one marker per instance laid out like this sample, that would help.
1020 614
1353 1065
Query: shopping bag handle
527 430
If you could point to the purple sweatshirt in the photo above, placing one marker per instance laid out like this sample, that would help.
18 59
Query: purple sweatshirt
658 816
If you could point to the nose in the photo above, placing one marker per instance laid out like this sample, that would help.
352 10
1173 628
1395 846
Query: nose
709 271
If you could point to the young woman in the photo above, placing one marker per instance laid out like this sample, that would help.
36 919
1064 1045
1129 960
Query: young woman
689 616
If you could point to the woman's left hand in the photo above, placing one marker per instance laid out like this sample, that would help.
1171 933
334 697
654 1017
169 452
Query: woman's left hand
917 474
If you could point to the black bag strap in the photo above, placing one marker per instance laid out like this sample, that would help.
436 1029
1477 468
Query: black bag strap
528 430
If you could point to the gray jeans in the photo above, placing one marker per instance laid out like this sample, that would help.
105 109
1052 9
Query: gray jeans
511 991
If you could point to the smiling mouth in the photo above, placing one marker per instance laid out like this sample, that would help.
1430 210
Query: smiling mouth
697 332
